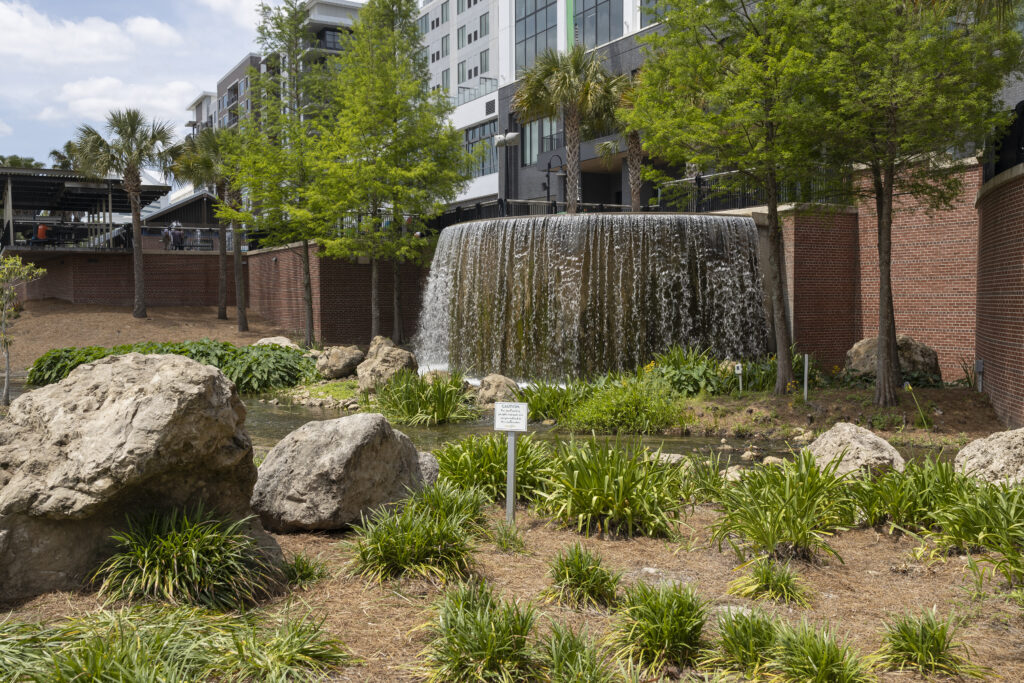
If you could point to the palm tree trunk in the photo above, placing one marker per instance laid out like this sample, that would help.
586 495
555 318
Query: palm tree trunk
887 373
236 252
572 159
634 159
307 295
7 303
139 309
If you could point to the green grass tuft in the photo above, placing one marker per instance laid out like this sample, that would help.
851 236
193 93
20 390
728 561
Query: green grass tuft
625 404
569 657
409 398
508 539
770 580
807 655
480 461
926 644
303 571
659 626
745 643
579 579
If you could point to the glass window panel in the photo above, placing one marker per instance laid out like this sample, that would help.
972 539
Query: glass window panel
590 28
531 6
603 22
484 24
520 55
531 49
444 12
531 25
616 20
485 61
552 15
520 8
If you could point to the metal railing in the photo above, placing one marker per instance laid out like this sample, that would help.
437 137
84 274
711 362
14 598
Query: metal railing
468 94
549 143
727 191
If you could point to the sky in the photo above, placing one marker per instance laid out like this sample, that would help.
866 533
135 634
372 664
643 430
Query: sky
64 63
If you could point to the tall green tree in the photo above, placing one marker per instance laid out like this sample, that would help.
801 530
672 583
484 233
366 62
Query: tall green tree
273 162
723 89
202 163
15 161
65 158
574 85
133 143
13 274
907 91
386 157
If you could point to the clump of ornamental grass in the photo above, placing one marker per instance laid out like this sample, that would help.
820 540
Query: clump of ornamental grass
578 578
926 644
188 557
610 488
508 539
745 643
480 462
411 541
771 580
786 511
626 404
803 653
302 571
479 637
908 500
409 398
551 401
445 500
702 478
659 625
570 657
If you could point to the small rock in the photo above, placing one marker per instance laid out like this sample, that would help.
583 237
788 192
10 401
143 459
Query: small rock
496 388
997 458
733 473
382 362
748 456
859 448
723 441
772 460
548 423
337 362
278 341
726 448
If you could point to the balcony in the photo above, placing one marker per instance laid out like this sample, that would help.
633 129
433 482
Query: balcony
468 94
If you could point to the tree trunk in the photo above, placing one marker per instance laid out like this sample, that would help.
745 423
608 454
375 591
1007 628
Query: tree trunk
396 304
783 343
307 295
887 373
236 251
139 310
7 303
222 266
572 160
374 300
634 160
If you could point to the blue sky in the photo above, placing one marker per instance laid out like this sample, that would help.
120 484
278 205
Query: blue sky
68 62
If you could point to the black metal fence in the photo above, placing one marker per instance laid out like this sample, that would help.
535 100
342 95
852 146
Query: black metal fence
727 191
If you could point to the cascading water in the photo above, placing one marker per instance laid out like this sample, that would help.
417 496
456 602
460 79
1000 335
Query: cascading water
559 296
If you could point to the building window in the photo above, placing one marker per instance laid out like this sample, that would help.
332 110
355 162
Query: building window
444 46
460 7
649 13
597 21
536 30
424 23
538 136
462 72
444 12
485 61
485 24
446 80
462 37
480 143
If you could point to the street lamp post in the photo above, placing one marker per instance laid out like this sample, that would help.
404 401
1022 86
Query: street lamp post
506 140
547 176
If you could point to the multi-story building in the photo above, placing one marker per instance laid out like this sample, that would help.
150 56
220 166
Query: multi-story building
204 112
233 92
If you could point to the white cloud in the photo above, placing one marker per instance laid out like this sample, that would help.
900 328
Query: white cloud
91 99
5 129
152 32
242 12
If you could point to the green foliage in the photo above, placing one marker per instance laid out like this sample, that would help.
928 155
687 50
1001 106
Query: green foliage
692 372
479 637
570 657
303 571
786 511
551 401
578 578
702 478
480 462
771 581
610 488
745 642
908 500
633 404
659 625
926 644
809 656
188 558
445 500
160 644
508 539
253 369
411 540
410 398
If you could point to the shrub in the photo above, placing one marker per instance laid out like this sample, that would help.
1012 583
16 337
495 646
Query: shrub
188 558
445 500
926 644
392 543
478 637
256 369
610 488
56 364
302 571
295 650
569 657
702 477
550 401
508 539
786 511
579 578
745 642
409 398
803 654
772 581
625 404
660 625
908 500
480 461
691 372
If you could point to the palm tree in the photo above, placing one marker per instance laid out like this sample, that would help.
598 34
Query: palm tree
134 144
65 158
201 163
575 85
623 95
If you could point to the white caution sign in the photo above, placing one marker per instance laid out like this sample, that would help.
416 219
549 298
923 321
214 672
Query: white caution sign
510 417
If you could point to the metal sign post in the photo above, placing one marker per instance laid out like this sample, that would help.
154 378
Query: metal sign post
739 374
510 418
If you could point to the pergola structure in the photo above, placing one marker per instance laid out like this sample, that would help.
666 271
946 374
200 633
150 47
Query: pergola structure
61 200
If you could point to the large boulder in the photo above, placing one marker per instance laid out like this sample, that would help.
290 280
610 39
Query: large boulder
495 388
860 450
123 436
914 356
336 362
277 341
327 475
997 458
383 361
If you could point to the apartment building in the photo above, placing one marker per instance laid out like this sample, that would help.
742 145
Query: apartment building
204 112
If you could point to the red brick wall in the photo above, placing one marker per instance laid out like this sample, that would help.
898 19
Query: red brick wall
1000 294
934 273
275 288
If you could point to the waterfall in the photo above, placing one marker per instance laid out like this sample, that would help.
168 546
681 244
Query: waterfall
561 296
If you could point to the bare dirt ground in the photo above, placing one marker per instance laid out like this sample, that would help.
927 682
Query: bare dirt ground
51 324
382 624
